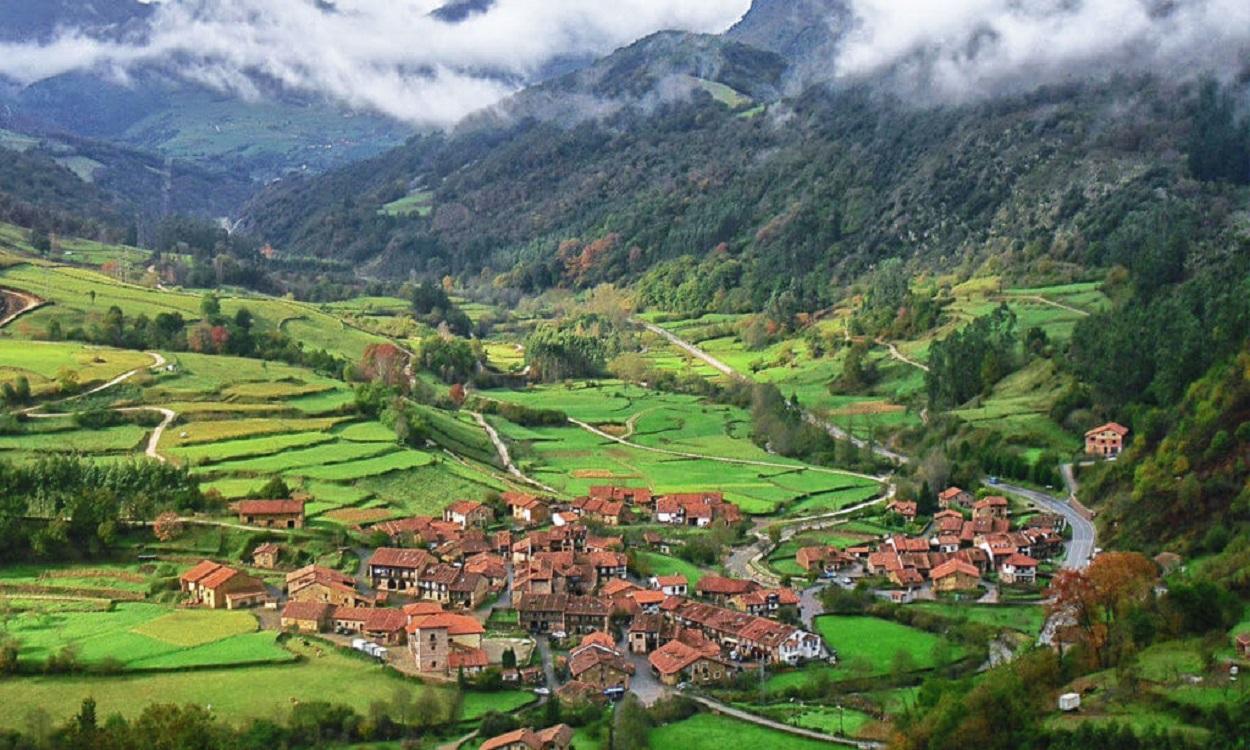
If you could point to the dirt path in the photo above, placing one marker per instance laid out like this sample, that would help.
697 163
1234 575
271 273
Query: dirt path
28 301
721 708
1051 302
502 449
151 448
834 431
896 354
723 459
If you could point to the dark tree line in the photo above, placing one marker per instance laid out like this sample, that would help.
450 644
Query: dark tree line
971 360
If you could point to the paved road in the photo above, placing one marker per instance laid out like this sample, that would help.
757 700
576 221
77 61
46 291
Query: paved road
721 708
834 431
1084 535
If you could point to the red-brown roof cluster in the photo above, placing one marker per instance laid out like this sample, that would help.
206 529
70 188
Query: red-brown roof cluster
271 507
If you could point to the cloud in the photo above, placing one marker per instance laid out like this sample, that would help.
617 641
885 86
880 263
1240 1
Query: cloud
971 48
384 55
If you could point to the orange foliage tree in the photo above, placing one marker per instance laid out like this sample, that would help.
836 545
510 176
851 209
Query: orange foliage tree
1087 602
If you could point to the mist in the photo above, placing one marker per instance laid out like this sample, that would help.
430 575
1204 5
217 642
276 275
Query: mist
387 56
974 48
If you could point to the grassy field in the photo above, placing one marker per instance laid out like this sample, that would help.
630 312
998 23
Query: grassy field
141 636
572 460
1026 619
665 565
237 694
710 732
867 646
419 203
43 362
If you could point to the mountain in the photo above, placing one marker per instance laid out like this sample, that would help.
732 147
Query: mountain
804 32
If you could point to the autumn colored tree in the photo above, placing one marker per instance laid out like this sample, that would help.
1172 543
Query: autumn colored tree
1087 602
456 394
167 526
385 364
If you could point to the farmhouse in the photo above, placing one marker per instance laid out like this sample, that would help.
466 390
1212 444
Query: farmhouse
822 559
905 508
993 506
558 737
466 513
218 586
765 602
952 497
1106 440
266 556
677 661
398 569
1019 569
527 510
631 495
307 617
696 509
719 589
314 583
599 510
272 514
600 666
675 585
955 575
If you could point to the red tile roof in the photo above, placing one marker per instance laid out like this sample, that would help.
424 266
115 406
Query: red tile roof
271 507
394 557
307 611
200 571
455 624
952 566
1115 427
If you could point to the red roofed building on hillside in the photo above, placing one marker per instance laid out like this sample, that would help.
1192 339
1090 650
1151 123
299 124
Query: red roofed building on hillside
558 737
272 514
720 589
631 495
955 575
676 662
466 513
398 569
314 583
216 586
1106 440
527 510
954 497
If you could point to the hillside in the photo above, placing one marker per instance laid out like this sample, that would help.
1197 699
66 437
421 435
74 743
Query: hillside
819 188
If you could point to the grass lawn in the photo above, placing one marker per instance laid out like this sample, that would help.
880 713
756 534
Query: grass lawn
663 565
1026 619
238 694
711 732
41 362
148 636
869 643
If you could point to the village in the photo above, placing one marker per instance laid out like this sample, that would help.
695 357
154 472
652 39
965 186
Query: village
545 594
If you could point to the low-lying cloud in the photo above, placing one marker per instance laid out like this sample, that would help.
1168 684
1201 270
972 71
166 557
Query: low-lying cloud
972 48
384 55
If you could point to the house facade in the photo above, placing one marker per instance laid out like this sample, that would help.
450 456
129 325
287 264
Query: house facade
1106 440
272 514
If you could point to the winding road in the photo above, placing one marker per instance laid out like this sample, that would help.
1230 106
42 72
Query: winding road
1081 548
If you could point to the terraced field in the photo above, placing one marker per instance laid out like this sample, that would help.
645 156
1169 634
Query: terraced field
42 363
572 460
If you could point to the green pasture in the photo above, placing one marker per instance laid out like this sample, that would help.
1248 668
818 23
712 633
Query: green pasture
665 565
867 646
419 202
712 732
142 636
43 362
238 694
1025 619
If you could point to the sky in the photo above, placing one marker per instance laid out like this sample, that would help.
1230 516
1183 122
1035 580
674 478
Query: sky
385 55
390 56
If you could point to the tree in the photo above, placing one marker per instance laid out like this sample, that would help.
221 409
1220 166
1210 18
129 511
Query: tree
385 364
275 489
632 725
508 659
167 526
210 307
1090 600
456 394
